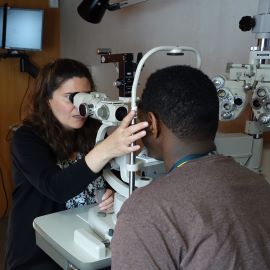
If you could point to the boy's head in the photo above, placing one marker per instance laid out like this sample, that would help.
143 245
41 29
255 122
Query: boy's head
184 100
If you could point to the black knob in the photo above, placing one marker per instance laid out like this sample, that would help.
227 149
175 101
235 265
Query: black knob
121 113
256 104
83 109
110 232
247 23
238 101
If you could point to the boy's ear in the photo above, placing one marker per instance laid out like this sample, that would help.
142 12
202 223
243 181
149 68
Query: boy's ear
154 126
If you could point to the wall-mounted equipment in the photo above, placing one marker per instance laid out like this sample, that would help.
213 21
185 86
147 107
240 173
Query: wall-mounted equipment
125 67
21 30
24 29
94 10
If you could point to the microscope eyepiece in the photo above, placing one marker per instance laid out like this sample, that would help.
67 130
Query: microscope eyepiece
71 96
121 113
83 110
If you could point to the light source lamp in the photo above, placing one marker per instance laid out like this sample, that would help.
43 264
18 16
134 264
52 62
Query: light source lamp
93 10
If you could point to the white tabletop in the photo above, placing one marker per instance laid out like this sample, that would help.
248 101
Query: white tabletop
55 232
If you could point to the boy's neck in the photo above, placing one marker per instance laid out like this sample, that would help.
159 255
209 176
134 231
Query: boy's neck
180 150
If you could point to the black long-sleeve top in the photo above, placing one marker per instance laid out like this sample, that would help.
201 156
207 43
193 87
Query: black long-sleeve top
40 187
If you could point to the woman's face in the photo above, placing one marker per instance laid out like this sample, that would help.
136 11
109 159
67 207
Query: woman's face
63 109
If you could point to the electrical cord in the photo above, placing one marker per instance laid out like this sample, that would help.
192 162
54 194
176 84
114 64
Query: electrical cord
23 98
13 127
5 193
8 137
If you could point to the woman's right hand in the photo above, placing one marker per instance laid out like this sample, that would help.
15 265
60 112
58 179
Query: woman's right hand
116 144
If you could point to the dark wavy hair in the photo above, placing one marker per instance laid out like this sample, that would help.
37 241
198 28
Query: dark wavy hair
186 101
63 142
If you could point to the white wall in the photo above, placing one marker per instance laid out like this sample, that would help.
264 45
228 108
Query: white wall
211 26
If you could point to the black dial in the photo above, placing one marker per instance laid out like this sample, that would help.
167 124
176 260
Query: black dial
247 23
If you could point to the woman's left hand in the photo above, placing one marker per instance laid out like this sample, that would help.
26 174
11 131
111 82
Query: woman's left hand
107 201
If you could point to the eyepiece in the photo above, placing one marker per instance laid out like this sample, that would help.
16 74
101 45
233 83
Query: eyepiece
121 113
83 110
71 96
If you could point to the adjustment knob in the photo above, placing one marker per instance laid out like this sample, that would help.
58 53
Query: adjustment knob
238 101
247 23
118 83
110 232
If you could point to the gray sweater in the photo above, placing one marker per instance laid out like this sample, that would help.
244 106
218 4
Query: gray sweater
209 214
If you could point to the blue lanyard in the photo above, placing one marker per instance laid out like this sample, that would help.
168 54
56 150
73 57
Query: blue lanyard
186 159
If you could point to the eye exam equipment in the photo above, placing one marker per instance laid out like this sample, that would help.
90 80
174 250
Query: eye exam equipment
248 84
98 106
125 67
93 10
80 238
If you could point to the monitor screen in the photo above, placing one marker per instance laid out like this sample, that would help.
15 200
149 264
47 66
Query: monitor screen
1 25
24 29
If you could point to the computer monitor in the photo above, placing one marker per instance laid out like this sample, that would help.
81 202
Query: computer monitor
24 28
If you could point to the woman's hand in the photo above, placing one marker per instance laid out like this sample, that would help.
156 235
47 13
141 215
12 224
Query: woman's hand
107 201
116 144
119 142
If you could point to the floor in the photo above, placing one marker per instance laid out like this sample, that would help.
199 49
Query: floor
3 227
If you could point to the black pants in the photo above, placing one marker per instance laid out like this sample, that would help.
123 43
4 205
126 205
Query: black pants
45 265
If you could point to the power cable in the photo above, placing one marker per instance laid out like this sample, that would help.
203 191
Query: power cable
5 192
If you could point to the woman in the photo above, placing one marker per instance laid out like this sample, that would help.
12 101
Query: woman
55 163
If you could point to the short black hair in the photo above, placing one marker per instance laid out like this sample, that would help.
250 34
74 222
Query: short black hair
185 99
